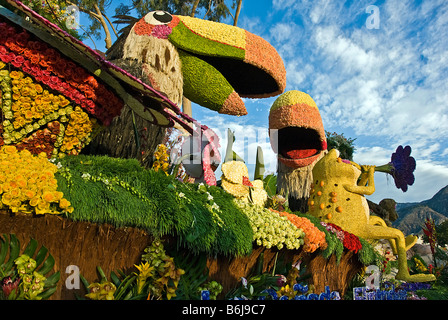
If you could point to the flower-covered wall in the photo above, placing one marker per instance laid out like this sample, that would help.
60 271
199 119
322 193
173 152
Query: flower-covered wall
49 103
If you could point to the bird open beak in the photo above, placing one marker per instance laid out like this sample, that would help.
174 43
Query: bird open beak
222 63
296 131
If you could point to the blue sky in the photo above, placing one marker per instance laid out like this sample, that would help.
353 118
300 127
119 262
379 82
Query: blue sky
385 87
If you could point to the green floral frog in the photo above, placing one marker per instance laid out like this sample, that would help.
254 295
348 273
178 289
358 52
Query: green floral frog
337 196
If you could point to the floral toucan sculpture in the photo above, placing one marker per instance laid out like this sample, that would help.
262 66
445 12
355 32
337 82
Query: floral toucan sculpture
337 196
297 136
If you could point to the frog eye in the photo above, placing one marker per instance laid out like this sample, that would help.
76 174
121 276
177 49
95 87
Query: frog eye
158 18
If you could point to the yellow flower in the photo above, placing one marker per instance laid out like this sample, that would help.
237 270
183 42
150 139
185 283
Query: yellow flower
16 75
30 194
9 149
34 201
6 199
64 203
48 196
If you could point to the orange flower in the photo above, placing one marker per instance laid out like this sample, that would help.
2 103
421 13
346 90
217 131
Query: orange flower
314 238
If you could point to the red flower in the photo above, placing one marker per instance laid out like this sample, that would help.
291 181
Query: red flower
7 58
18 61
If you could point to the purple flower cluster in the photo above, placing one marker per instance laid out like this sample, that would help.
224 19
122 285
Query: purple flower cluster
403 167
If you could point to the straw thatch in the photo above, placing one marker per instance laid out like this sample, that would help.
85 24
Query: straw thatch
89 245
82 244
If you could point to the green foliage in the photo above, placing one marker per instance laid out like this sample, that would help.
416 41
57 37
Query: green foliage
270 184
25 273
367 255
122 193
341 143
214 10
196 273
157 278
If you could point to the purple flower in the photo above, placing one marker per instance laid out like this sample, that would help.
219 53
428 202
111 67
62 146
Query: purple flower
403 167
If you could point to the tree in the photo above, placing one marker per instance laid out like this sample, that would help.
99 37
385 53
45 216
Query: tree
213 10
55 11
341 143
99 20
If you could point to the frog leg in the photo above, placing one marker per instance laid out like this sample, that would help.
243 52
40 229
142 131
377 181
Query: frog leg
410 240
381 232
377 221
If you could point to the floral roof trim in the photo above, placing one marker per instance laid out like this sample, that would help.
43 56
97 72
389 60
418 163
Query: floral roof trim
39 119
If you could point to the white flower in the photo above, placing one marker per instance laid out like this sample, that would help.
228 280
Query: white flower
209 196
86 176
181 195
215 206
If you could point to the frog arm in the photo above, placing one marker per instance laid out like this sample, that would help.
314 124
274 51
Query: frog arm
366 184
368 190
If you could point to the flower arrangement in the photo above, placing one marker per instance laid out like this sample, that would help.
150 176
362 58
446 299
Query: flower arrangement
157 278
21 276
314 238
31 108
270 229
40 86
27 183
49 67
349 240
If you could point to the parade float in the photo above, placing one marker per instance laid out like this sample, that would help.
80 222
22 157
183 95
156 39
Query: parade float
77 226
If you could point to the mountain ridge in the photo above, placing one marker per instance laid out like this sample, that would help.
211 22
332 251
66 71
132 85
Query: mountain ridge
411 216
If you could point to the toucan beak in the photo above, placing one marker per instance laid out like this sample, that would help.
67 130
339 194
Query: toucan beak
223 63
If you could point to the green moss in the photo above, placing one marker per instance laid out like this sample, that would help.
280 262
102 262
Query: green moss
122 193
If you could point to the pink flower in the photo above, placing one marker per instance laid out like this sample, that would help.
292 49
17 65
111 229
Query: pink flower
161 31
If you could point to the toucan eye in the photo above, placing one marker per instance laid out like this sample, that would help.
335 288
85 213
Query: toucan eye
158 17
